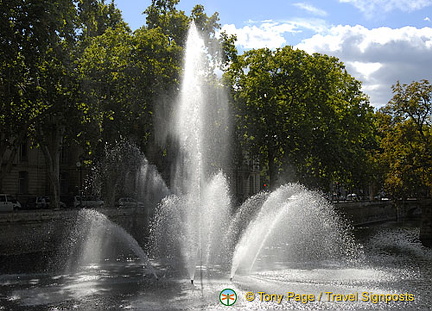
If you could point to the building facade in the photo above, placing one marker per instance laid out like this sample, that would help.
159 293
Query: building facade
28 175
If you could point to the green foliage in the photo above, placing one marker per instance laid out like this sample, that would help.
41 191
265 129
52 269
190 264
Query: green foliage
72 70
405 130
35 35
95 17
164 15
302 111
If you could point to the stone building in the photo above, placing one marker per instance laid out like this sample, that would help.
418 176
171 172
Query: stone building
247 178
28 175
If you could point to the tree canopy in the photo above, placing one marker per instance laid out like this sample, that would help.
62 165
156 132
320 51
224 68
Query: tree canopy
303 112
73 71
405 130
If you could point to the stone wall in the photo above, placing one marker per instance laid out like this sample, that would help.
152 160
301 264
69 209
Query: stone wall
361 212
45 230
369 212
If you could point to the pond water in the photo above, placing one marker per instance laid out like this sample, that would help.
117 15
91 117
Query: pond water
393 273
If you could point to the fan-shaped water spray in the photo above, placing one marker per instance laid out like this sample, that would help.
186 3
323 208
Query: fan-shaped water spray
299 224
93 235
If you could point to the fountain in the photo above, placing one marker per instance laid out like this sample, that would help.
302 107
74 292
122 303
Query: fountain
201 201
196 218
289 243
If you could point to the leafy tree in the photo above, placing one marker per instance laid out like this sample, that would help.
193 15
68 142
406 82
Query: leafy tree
95 17
157 63
57 84
160 47
14 106
41 41
67 114
34 37
207 26
164 15
303 111
123 76
104 69
405 128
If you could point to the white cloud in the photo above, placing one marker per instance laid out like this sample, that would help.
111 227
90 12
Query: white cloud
271 33
310 8
365 69
373 7
265 35
378 57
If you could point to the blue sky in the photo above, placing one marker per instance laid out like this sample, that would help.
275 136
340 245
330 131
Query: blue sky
380 41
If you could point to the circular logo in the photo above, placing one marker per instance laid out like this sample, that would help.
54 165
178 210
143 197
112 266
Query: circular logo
228 297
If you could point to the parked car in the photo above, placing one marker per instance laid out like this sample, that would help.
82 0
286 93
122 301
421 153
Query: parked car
41 202
87 201
129 202
8 203
352 197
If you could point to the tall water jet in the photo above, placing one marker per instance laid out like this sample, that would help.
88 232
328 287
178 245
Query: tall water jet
188 120
200 204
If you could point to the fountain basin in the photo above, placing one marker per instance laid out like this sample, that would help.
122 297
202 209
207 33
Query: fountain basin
394 263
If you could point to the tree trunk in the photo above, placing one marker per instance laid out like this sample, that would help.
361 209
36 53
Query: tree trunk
110 189
373 190
426 225
273 169
51 150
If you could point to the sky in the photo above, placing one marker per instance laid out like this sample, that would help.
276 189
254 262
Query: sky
381 42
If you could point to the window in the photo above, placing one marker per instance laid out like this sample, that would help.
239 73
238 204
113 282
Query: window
23 152
23 182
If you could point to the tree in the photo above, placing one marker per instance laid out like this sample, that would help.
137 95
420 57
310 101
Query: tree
42 94
405 128
160 46
57 83
15 78
105 67
300 110
36 33
95 17
164 15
